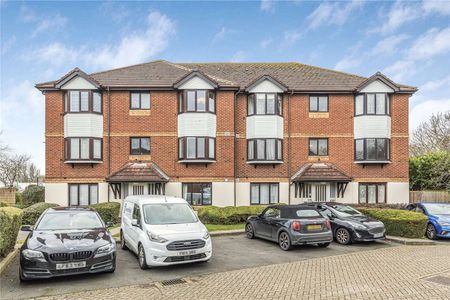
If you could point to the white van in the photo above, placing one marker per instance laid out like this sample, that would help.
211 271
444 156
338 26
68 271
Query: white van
163 230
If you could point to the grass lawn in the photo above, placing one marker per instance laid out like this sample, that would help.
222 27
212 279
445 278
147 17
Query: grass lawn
214 227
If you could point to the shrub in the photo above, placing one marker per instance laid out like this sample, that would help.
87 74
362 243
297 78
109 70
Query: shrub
399 222
32 213
108 211
227 215
10 221
33 194
3 204
19 199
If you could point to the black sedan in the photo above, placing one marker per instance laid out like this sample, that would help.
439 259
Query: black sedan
67 241
350 225
290 225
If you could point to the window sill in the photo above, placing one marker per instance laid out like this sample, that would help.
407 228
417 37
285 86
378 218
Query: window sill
264 162
372 162
196 161
140 157
139 112
319 115
87 161
318 158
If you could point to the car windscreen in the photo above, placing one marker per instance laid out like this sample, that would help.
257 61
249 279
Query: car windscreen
295 213
70 220
344 210
437 208
168 213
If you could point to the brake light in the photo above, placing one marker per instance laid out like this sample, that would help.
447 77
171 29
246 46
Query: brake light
296 226
328 224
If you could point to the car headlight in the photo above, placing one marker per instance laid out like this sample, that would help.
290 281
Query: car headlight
206 235
444 223
358 226
33 255
156 238
105 250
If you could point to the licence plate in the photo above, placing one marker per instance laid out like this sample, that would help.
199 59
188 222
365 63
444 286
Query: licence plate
378 235
71 265
314 227
185 253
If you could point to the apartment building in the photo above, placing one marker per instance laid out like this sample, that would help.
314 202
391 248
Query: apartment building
226 134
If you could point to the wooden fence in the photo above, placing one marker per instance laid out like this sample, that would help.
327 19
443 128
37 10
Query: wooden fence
8 195
429 196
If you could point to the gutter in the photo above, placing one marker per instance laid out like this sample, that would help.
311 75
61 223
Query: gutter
109 136
289 146
234 145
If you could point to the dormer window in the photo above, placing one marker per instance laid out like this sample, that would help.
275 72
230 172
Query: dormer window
197 101
372 104
264 104
82 101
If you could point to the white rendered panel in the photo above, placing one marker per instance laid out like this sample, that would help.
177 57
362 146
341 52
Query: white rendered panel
377 87
83 125
196 83
266 87
264 126
196 124
78 83
372 127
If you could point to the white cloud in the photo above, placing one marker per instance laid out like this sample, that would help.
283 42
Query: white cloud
265 42
8 44
433 42
399 14
348 63
436 84
223 33
133 48
42 23
423 111
329 13
439 7
267 5
389 45
401 70
239 56
290 37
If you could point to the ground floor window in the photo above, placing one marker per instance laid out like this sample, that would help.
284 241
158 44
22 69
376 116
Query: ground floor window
264 193
83 194
198 193
372 193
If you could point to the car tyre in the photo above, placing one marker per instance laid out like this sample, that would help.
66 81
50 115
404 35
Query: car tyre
343 236
284 240
323 245
249 232
123 243
431 232
141 258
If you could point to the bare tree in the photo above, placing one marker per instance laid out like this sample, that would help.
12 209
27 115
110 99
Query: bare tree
12 168
432 135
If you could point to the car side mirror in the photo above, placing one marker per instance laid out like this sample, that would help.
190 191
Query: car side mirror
26 228
109 224
134 222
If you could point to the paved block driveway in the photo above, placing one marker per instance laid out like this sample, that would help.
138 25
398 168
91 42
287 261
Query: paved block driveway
261 270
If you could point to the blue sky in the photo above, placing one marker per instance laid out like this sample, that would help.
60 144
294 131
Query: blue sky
40 41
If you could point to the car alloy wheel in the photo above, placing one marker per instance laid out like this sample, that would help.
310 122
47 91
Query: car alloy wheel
141 257
343 236
284 241
431 232
249 231
123 243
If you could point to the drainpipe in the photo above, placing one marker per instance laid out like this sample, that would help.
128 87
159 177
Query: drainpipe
109 136
289 146
235 143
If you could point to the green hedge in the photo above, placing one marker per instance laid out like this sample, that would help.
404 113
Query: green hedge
3 204
227 215
109 211
399 222
33 194
10 222
32 213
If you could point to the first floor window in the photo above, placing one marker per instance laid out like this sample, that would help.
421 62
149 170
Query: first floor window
196 148
264 104
83 148
197 101
83 194
264 193
318 103
198 193
372 149
372 193
83 101
140 100
372 104
139 146
318 147
265 149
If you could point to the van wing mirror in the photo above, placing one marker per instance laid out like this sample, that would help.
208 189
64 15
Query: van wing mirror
26 228
134 222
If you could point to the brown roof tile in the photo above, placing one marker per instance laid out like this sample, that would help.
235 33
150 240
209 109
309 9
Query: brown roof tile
314 172
138 172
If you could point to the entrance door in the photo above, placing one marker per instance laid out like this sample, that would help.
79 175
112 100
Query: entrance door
321 192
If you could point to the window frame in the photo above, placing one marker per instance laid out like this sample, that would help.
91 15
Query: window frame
255 149
182 143
317 146
78 193
367 184
387 105
202 199
278 109
67 149
317 98
182 101
140 100
140 142
259 192
388 149
67 102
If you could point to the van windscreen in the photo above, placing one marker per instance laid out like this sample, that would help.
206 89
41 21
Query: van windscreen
168 213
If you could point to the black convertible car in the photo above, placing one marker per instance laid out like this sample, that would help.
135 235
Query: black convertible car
66 241
348 224
290 225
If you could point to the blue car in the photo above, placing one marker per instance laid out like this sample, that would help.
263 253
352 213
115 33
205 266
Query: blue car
438 218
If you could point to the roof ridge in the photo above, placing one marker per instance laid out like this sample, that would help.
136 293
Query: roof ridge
130 66
334 71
